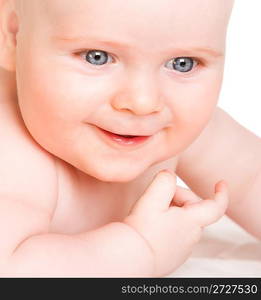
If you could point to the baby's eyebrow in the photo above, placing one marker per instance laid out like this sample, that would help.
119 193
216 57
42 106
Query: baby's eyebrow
69 39
124 45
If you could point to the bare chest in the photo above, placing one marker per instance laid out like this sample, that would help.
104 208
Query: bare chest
81 209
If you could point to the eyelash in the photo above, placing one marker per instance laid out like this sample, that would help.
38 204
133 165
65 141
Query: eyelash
196 62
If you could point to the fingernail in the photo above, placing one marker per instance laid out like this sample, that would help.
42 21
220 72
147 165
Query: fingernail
221 185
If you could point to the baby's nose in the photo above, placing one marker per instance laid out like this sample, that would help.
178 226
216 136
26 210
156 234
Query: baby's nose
141 96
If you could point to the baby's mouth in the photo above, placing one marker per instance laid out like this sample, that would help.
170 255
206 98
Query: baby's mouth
126 136
123 135
124 139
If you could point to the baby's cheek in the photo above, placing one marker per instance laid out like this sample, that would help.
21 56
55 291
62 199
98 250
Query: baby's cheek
198 109
187 129
192 111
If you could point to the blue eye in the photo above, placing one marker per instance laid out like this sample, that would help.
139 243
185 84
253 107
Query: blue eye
96 57
183 64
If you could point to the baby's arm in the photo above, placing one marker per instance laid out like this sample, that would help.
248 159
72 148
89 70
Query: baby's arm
226 150
153 240
27 247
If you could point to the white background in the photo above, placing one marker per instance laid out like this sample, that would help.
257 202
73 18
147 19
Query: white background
241 91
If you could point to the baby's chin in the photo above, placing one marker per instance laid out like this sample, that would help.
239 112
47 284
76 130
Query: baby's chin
113 174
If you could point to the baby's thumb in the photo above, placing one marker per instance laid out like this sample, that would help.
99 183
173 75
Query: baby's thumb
158 195
211 210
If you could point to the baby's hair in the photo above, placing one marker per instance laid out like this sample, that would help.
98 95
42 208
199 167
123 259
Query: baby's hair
27 10
20 7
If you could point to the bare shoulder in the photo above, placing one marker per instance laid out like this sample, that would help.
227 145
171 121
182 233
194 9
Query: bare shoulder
27 171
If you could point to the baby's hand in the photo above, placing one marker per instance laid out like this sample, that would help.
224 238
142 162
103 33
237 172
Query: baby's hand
170 219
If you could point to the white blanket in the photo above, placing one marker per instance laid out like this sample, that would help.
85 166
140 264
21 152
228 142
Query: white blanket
226 250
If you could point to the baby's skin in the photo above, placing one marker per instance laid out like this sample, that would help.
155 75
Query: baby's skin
228 150
171 220
72 203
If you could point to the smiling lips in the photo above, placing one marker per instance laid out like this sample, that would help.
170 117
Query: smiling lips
125 140
127 136
124 135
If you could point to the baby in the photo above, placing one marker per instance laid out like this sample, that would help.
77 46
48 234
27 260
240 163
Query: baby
99 102
227 149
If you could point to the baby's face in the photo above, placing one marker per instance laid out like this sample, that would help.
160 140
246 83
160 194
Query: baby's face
137 67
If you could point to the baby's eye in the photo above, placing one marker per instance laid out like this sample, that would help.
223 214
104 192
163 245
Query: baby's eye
96 57
182 64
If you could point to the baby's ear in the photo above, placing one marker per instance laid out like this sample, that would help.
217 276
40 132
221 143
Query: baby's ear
8 31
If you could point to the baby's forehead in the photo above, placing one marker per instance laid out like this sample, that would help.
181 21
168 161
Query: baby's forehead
173 19
176 8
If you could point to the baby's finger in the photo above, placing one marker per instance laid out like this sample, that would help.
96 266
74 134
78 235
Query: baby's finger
158 195
184 196
211 210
